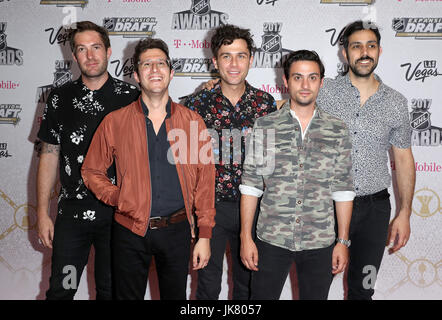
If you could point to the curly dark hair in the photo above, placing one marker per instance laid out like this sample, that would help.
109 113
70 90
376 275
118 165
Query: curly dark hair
146 44
88 26
226 34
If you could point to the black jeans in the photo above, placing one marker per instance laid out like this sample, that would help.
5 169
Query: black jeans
73 238
368 234
227 228
132 255
313 267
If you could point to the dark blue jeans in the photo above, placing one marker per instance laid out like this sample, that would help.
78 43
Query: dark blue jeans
313 267
368 234
132 255
227 229
73 238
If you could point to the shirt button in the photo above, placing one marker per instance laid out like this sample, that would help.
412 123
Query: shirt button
355 132
299 202
301 165
296 129
298 221
357 114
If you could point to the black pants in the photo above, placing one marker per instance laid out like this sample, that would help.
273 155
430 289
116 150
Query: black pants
73 238
227 228
368 234
313 267
132 255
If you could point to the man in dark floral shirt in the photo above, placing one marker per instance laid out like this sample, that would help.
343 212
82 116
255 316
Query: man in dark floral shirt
229 111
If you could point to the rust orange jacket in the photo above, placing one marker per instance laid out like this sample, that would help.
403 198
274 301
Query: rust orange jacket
122 136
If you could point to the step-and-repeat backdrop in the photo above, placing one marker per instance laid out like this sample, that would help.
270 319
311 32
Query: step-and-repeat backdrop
35 56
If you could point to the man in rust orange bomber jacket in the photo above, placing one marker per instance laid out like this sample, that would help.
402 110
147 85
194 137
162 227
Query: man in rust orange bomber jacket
165 173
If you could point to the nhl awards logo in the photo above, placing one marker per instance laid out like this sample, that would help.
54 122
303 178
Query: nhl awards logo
130 27
196 68
271 53
64 3
349 2
199 17
424 134
419 28
8 56
62 75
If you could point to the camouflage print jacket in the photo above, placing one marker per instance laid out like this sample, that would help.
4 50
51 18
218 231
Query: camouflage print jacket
298 177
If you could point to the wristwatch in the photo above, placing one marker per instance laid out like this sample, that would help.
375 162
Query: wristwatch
346 243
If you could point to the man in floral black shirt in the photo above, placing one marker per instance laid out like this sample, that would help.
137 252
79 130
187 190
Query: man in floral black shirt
229 111
72 114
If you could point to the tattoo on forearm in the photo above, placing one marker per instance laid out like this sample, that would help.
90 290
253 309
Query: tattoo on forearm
50 148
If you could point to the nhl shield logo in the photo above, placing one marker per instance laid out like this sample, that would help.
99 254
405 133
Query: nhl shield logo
398 24
61 77
420 120
3 43
109 24
271 43
200 7
177 65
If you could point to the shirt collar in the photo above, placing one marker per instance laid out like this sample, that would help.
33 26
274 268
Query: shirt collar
217 90
168 108
286 110
346 80
106 87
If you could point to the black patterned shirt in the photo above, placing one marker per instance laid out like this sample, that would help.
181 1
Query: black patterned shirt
381 122
71 116
229 125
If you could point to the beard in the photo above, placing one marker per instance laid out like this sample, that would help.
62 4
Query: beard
102 69
364 73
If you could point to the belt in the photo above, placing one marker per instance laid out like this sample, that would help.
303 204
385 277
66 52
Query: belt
162 222
381 195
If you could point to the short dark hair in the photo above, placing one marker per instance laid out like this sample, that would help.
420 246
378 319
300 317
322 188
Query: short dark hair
302 55
88 26
358 26
226 34
146 44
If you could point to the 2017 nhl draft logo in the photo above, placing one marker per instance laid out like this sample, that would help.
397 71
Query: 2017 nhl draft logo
9 113
271 53
64 3
62 75
130 27
199 17
419 28
196 68
8 56
424 134
349 2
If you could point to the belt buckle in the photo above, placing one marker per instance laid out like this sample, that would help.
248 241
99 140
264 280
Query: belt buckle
150 220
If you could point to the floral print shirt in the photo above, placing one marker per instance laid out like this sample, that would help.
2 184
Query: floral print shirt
71 116
228 126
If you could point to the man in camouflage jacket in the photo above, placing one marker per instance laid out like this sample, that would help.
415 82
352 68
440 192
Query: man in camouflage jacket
299 159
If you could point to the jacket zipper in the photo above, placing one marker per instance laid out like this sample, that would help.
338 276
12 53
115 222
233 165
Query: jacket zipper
185 186
150 177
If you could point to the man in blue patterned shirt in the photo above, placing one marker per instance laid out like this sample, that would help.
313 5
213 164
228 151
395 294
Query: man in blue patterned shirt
378 119
229 111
